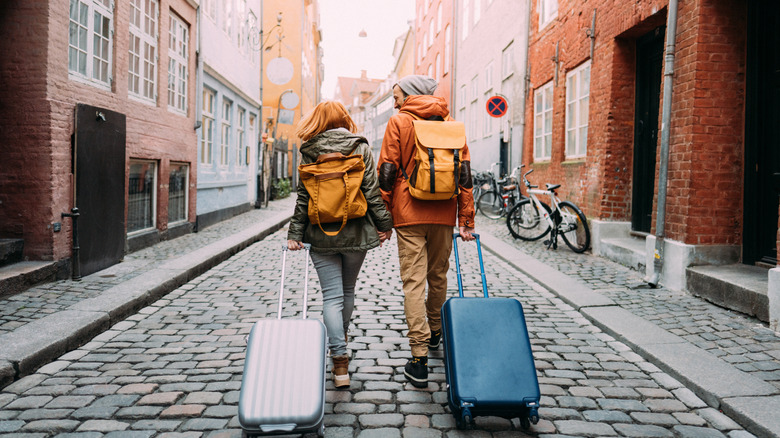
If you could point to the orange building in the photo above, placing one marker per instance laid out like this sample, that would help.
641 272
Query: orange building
433 43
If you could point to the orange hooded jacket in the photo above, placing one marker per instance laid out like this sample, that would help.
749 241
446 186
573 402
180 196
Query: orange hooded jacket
398 150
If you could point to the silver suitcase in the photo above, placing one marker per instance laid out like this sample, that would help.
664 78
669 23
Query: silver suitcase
283 386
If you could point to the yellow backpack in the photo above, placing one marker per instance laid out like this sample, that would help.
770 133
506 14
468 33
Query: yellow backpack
437 159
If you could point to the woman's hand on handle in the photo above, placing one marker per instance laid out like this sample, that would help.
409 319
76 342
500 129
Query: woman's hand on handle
384 235
465 233
294 245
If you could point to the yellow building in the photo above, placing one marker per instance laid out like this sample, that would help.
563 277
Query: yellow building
290 81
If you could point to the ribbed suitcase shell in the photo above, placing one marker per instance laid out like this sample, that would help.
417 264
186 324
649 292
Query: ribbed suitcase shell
488 360
283 385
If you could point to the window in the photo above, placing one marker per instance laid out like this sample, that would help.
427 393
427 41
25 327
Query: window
447 49
142 198
438 19
436 66
475 88
431 33
543 122
210 8
487 124
548 10
227 109
489 77
142 74
507 68
227 17
242 34
577 100
207 133
430 70
240 139
477 11
178 182
474 120
462 96
178 39
465 27
90 40
252 138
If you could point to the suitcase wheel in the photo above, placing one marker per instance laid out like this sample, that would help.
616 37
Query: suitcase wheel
321 431
465 420
525 423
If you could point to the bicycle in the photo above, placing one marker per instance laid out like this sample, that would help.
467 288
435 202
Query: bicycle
564 218
499 200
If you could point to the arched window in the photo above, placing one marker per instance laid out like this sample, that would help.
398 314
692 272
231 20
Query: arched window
447 49
438 19
436 66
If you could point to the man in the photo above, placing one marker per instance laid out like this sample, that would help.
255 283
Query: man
424 228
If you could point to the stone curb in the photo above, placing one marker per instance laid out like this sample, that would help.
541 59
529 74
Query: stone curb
33 345
747 399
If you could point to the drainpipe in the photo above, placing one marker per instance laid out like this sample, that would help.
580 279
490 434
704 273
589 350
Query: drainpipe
666 116
526 87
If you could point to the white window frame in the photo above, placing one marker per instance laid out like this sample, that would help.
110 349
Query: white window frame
462 96
207 129
543 118
474 120
225 137
178 64
465 27
577 101
142 83
489 77
477 11
186 168
507 67
241 34
430 70
438 19
88 50
487 122
210 9
474 95
241 137
436 68
227 17
548 11
153 200
431 33
447 49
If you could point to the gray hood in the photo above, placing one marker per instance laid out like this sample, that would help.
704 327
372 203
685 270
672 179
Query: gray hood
328 142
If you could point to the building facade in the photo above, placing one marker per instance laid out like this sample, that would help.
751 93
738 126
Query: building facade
434 34
228 109
595 126
99 114
491 46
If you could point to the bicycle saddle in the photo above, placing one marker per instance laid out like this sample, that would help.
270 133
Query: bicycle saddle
510 187
552 186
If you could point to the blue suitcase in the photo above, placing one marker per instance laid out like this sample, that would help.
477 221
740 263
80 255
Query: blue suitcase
487 356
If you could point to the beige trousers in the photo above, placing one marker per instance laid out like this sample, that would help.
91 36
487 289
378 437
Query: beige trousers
424 252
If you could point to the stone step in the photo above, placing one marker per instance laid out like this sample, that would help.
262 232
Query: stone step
737 287
628 251
11 251
20 276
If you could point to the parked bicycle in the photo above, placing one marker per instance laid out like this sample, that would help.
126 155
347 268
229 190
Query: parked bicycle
531 219
501 197
482 182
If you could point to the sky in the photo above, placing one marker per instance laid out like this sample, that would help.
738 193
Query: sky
346 54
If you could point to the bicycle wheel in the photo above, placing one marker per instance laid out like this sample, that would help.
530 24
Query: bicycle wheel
573 227
526 222
491 205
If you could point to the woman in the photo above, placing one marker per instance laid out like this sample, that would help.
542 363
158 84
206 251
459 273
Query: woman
337 259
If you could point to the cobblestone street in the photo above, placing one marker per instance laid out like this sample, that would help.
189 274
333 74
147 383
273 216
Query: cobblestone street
174 369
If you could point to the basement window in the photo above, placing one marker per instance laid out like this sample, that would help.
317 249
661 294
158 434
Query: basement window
177 192
142 196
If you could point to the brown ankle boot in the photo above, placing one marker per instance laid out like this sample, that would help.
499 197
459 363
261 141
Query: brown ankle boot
341 371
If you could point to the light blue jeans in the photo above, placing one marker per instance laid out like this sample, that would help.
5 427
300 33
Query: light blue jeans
338 274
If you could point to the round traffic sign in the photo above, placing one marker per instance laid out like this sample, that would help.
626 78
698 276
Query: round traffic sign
280 71
496 106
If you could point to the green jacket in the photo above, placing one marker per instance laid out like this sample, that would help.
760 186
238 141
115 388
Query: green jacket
359 234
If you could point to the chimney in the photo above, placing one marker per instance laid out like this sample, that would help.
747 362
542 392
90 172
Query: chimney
363 74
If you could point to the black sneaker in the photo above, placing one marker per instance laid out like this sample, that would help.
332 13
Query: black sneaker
416 370
435 340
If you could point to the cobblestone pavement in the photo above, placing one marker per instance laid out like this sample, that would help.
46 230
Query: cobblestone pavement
745 342
52 297
174 369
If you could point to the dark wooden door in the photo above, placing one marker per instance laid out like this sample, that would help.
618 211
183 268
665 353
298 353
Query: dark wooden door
762 133
99 161
649 66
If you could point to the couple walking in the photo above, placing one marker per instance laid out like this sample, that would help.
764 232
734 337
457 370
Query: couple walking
424 228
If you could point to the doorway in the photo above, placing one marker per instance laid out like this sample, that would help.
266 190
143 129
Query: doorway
99 169
649 65
762 139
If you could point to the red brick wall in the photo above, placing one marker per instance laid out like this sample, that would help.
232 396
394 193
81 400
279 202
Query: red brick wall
35 185
705 171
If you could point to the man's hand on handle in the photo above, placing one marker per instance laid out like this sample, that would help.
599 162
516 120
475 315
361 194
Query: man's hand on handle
465 233
294 245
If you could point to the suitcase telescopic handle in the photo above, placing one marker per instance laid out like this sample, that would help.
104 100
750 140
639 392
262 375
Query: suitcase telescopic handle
307 249
457 264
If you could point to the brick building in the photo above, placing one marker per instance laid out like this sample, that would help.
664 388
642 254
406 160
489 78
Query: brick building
594 112
97 111
433 39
